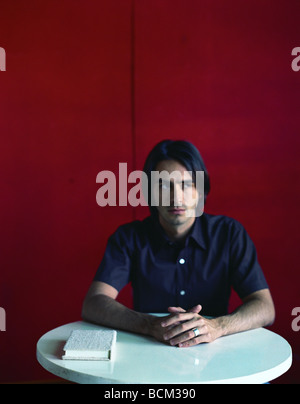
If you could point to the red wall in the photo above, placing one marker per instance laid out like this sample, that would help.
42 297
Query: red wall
90 84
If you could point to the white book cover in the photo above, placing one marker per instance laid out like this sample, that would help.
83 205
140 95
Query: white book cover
90 345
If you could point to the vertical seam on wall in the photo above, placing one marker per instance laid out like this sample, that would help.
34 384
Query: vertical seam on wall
132 90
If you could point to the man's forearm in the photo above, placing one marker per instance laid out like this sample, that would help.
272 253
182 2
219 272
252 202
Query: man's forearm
254 313
104 310
257 311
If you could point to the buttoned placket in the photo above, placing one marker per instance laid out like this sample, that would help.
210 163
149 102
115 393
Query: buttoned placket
181 275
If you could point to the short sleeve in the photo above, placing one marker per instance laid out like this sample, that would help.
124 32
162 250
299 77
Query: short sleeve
246 273
115 267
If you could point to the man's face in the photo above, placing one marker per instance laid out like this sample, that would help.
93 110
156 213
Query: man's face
176 196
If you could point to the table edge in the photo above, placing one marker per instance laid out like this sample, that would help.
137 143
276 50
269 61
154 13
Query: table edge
82 378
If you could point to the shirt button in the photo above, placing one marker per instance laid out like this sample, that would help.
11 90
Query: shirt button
182 261
182 292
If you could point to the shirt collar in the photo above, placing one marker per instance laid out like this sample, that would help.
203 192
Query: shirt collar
197 233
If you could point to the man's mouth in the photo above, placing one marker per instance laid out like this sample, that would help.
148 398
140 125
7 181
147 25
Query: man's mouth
176 211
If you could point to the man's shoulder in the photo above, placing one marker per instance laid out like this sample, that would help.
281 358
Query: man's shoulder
135 228
216 222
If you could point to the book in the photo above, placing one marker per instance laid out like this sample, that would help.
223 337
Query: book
90 345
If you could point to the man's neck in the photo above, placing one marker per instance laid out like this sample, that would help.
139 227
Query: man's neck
177 232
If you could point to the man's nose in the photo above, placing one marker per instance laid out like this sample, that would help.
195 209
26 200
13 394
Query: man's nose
176 195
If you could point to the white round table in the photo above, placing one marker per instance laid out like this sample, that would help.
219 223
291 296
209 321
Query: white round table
256 356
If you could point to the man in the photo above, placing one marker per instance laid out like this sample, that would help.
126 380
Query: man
180 263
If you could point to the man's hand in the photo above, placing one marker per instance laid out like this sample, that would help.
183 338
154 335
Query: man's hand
100 307
256 311
178 328
158 331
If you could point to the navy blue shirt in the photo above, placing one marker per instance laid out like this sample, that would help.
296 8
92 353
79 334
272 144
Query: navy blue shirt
217 255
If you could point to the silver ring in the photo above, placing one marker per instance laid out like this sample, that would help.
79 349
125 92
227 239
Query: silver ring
196 332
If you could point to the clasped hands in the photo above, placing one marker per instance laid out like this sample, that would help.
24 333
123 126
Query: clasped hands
177 328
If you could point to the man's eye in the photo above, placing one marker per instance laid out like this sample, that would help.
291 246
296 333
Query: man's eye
164 186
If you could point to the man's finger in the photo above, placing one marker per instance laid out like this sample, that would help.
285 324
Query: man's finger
179 317
195 341
196 309
185 330
176 310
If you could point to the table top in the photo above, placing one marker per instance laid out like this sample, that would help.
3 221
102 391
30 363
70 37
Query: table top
256 356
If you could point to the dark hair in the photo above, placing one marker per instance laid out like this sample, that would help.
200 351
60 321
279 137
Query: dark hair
182 151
